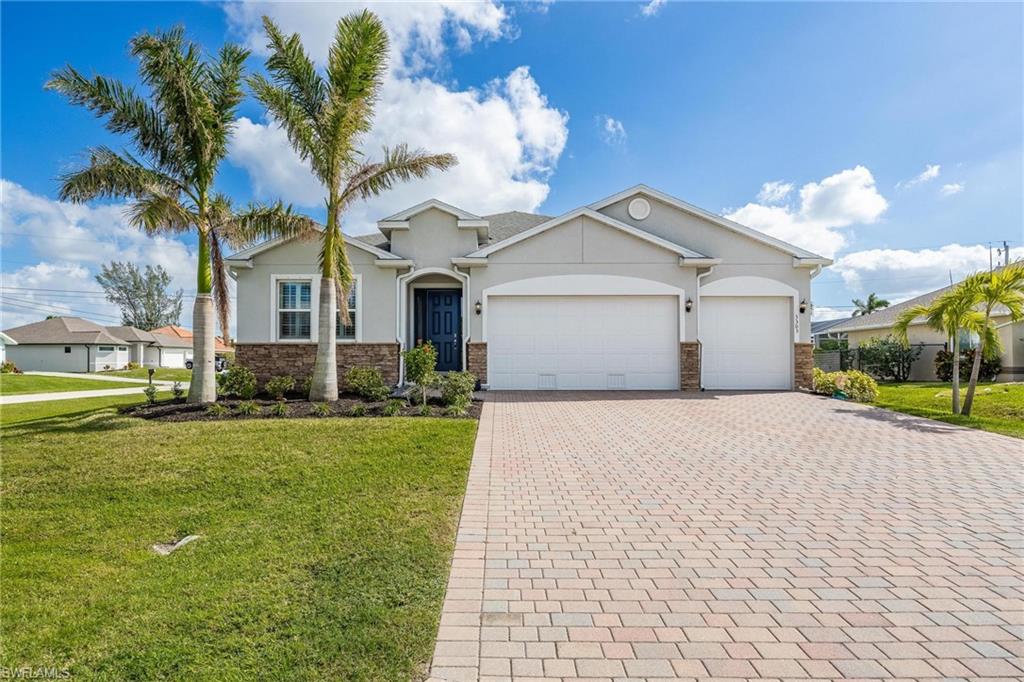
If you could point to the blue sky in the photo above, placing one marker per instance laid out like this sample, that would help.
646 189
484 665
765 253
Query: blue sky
892 133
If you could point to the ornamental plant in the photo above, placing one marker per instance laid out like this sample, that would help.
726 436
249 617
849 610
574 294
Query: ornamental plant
419 367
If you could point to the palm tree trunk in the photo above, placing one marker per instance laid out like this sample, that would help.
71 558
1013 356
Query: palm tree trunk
325 372
975 373
203 387
956 372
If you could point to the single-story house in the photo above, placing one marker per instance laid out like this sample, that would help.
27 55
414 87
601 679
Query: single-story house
638 290
4 342
71 344
822 331
879 324
184 336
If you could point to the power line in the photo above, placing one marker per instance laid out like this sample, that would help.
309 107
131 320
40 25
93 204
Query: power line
35 306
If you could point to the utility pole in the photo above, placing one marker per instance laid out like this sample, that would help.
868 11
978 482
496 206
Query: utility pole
1006 253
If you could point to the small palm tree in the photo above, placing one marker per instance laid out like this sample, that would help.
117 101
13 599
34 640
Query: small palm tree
1005 288
324 117
871 305
950 313
180 135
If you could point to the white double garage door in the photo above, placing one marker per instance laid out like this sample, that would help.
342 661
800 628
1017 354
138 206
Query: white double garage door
632 342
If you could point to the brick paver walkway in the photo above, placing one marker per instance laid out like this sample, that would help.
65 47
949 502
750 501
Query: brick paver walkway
781 536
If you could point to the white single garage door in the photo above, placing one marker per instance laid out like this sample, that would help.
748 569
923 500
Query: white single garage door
172 358
746 342
583 342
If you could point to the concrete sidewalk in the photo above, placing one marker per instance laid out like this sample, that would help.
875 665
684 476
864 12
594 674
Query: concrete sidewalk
71 395
100 377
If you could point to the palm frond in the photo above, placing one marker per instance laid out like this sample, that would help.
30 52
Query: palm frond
284 109
226 81
158 212
293 70
258 222
220 290
905 319
112 175
399 165
356 62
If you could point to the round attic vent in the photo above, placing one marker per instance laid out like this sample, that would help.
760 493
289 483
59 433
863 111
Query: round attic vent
639 209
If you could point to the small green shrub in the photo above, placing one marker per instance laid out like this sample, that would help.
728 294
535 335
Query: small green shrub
307 384
989 370
150 392
321 410
239 381
457 409
217 409
248 408
367 383
419 367
9 368
857 385
357 410
393 407
426 410
280 409
132 365
888 359
276 387
178 390
457 388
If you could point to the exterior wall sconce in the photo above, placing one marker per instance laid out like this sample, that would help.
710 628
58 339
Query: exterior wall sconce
478 307
803 306
689 304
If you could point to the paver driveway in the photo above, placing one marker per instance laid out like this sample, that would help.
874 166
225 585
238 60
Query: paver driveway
648 536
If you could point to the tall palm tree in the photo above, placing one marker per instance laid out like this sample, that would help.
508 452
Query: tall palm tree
180 135
1005 288
950 313
871 305
324 118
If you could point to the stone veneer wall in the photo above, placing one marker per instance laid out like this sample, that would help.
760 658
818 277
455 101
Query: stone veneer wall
297 359
476 359
803 366
689 365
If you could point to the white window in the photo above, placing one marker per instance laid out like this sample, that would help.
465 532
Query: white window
294 309
67 349
106 349
348 332
122 348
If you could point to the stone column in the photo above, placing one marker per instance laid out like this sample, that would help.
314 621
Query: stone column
689 366
803 366
476 359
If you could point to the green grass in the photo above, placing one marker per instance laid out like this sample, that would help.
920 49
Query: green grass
16 384
997 407
324 553
161 374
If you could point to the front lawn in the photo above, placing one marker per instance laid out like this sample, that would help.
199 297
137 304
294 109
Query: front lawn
997 407
15 384
324 551
161 374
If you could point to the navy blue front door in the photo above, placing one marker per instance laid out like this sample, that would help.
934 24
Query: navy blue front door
442 326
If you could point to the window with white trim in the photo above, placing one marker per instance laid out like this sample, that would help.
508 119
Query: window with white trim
348 332
294 309
106 349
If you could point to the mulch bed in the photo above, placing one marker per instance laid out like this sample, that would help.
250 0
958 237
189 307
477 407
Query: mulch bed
299 408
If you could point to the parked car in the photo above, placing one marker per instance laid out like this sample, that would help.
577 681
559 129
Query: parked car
219 364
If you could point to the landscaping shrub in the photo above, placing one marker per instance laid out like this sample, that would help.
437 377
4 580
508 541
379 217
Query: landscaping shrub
857 385
217 409
357 410
150 392
132 365
988 371
276 387
457 388
307 384
238 381
248 407
888 359
392 408
367 383
425 409
456 409
280 409
419 367
321 410
9 368
178 390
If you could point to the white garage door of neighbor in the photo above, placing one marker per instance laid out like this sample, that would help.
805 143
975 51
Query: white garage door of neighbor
583 342
173 358
745 342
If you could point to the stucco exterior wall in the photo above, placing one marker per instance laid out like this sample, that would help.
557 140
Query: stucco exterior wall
52 358
257 298
433 239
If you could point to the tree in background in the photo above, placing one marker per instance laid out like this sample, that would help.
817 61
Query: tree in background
869 306
143 297
179 135
324 117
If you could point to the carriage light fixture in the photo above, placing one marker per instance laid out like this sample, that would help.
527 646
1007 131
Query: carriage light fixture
478 307
803 306
689 304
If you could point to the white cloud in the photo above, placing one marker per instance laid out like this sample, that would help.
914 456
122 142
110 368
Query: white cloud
774 192
846 198
652 7
612 131
508 138
952 188
899 274
930 172
71 241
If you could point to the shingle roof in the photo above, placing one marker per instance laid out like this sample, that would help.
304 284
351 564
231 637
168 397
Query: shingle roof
373 239
131 334
173 336
63 330
509 223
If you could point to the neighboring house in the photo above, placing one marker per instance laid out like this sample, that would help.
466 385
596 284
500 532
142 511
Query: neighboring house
879 325
4 342
71 344
822 330
636 291
184 337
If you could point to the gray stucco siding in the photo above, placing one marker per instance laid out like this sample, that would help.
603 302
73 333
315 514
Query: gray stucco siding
432 239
